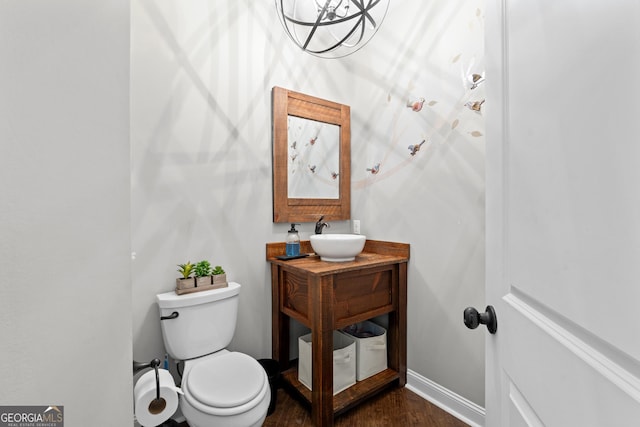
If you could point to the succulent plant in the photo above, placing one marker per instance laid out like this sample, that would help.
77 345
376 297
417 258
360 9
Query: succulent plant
217 270
185 269
202 269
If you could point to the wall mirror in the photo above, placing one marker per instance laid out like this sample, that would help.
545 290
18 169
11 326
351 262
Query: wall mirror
311 158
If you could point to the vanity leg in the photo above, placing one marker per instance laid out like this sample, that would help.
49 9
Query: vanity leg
280 328
396 334
402 323
322 350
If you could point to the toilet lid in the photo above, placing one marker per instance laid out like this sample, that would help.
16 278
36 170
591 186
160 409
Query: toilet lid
226 381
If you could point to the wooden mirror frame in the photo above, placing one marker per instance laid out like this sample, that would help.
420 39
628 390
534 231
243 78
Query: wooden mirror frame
289 103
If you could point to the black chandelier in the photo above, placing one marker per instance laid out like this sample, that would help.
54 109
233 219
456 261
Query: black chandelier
331 28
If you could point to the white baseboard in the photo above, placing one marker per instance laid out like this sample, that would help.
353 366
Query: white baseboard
461 408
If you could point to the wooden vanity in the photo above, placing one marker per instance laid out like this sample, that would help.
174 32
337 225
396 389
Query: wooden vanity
325 296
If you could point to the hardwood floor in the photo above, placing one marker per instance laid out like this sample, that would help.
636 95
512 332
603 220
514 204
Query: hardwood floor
394 407
391 408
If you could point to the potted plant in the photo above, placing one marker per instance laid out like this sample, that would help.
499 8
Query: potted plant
219 277
186 281
202 272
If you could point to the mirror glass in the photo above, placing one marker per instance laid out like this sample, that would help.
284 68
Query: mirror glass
314 159
311 158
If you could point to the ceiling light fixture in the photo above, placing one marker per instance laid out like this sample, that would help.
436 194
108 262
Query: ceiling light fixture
331 28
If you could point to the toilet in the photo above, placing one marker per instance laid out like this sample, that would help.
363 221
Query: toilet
221 387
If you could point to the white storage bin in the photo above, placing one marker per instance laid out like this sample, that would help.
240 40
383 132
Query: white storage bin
344 361
371 348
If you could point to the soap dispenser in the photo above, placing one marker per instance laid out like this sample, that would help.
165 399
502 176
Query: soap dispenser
293 241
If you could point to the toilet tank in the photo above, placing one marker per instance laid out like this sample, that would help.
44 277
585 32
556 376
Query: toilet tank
205 323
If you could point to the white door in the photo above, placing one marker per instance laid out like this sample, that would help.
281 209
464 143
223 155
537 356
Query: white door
563 212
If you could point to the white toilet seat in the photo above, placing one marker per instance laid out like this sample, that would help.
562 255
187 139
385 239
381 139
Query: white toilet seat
225 385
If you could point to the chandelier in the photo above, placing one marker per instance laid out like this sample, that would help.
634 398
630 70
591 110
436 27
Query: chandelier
331 28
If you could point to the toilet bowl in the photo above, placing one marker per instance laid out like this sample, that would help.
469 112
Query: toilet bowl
225 389
221 387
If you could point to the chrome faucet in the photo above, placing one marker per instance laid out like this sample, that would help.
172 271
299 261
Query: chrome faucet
320 225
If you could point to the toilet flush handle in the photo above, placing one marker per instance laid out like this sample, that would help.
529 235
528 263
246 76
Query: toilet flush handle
173 315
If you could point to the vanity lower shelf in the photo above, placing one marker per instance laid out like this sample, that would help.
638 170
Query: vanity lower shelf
348 398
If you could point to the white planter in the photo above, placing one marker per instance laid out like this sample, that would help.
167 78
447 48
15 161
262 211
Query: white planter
344 361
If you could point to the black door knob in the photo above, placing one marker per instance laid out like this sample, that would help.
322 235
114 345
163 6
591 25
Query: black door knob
472 318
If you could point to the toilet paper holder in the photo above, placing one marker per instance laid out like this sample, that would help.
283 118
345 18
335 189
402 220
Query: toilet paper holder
159 403
138 366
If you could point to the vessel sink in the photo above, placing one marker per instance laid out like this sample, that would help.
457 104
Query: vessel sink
337 247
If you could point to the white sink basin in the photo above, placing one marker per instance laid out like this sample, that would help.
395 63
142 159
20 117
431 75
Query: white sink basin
337 247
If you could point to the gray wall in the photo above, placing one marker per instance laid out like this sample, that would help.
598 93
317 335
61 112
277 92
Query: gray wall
201 79
201 75
65 299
